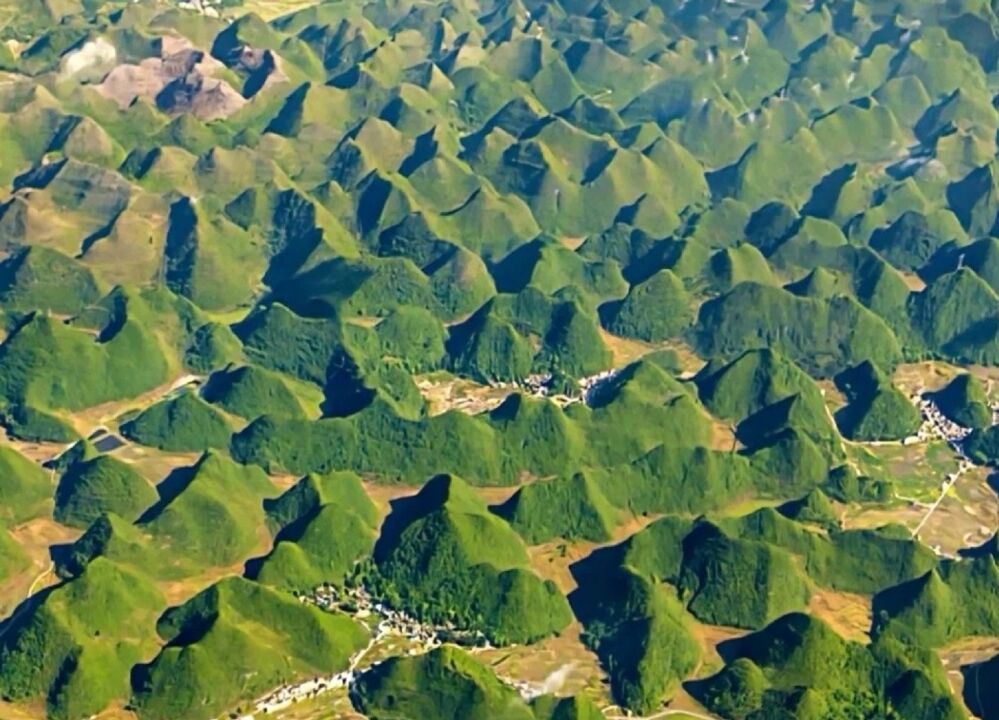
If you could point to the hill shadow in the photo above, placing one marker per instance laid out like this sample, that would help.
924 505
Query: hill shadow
169 488
594 581
406 510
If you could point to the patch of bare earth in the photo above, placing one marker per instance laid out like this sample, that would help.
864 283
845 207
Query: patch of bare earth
572 243
382 494
626 350
38 452
10 711
722 436
451 393
181 80
152 464
87 421
848 614
915 377
966 517
34 537
913 281
567 665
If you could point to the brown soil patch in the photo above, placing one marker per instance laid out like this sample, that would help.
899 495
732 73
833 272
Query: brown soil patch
833 397
722 435
962 653
535 663
266 9
625 350
116 713
38 452
710 637
745 505
553 560
35 537
329 706
848 614
967 651
496 495
681 704
155 464
966 517
931 375
10 711
87 421
450 393
382 494
284 481
906 514
690 362
178 591
629 525
913 281
365 321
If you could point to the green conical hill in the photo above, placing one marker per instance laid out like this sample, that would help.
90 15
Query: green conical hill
234 641
211 517
185 423
965 402
445 682
74 649
570 508
25 487
445 538
104 484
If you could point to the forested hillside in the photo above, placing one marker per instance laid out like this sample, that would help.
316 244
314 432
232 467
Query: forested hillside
499 359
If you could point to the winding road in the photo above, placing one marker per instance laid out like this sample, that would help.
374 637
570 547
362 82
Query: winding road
9 622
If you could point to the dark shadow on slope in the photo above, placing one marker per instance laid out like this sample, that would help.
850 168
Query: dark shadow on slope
169 488
406 510
825 194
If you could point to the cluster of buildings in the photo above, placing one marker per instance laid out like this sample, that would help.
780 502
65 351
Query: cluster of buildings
211 8
357 603
939 425
541 386
590 385
287 695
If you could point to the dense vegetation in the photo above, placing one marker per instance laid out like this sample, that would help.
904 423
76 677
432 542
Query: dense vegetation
323 526
801 666
181 424
218 657
444 557
582 326
876 409
443 683
92 486
963 400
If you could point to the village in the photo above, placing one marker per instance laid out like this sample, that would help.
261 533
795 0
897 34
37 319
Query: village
386 623
936 425
541 386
